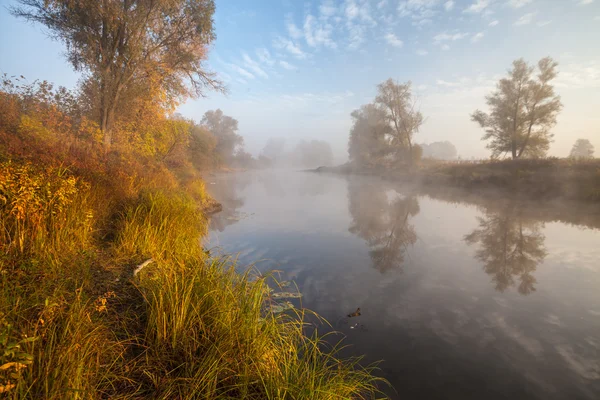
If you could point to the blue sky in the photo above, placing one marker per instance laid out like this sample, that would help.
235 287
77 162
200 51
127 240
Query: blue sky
297 69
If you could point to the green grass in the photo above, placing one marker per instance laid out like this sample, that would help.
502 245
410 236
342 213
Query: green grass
75 323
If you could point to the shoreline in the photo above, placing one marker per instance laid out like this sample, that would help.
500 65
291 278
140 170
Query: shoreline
548 180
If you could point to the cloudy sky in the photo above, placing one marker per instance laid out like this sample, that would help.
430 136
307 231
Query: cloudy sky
297 69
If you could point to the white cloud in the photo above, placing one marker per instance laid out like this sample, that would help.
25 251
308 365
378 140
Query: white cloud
358 21
447 37
544 23
241 71
477 37
449 5
318 34
292 29
494 23
441 82
253 66
445 47
382 4
525 19
289 46
287 65
393 40
518 3
420 11
264 56
579 75
477 7
422 52
327 9
585 2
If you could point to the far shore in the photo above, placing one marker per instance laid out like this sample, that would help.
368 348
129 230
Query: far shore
544 179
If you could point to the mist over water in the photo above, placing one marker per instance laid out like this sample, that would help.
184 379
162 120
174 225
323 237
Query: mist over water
459 297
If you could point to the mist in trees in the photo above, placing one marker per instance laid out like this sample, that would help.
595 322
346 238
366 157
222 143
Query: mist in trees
439 150
382 132
523 110
274 149
131 50
582 149
510 248
304 154
383 221
224 128
312 154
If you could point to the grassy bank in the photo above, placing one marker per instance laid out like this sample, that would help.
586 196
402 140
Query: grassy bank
543 179
75 323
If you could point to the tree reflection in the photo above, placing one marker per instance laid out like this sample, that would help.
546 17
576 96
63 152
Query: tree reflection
225 191
382 220
510 248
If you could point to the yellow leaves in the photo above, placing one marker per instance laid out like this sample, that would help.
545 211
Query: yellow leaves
7 387
100 304
34 202
16 365
89 130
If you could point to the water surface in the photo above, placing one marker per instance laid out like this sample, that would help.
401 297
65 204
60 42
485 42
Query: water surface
460 298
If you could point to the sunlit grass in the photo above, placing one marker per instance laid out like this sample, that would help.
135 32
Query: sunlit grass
75 323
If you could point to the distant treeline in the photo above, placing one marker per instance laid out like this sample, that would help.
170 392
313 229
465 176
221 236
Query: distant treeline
523 109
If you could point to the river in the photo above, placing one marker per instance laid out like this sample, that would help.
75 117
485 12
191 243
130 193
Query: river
459 297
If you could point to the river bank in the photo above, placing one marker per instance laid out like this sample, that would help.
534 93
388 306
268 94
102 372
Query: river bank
545 179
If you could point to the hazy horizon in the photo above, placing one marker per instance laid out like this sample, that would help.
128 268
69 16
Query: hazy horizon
297 71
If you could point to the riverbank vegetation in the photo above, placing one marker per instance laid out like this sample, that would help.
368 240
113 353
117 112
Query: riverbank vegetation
96 183
522 112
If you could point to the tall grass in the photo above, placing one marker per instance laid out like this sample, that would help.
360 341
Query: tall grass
210 334
73 326
161 226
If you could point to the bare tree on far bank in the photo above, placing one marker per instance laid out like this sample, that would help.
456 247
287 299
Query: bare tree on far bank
523 109
405 120
582 148
382 132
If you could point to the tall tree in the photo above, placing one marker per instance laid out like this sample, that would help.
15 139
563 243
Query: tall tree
405 120
224 129
582 149
127 43
368 144
523 109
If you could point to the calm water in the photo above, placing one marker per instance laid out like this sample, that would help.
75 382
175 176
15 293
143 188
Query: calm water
492 300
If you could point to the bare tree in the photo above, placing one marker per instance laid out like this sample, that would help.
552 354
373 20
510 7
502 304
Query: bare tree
582 149
121 42
405 119
523 109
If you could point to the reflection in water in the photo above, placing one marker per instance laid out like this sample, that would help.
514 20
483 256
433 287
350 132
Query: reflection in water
510 247
440 327
382 222
227 195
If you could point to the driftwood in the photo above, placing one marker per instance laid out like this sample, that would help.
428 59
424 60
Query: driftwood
141 266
